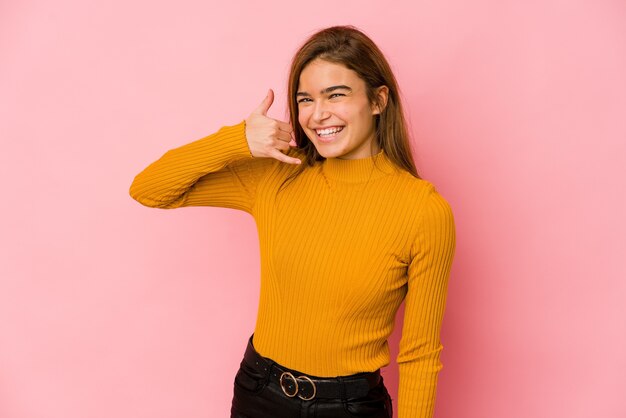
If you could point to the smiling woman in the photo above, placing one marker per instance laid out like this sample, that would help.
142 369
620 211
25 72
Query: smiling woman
347 232
337 115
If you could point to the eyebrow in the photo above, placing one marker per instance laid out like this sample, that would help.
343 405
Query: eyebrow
326 90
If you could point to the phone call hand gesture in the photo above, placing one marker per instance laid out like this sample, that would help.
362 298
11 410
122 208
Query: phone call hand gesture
266 136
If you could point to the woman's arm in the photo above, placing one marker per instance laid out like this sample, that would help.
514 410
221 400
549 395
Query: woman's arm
428 273
217 170
223 169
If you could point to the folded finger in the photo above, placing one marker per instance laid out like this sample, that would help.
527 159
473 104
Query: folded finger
283 136
284 126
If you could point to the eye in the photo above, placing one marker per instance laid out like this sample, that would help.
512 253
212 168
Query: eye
336 94
303 100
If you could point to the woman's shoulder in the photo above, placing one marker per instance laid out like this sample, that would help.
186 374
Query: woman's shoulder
421 192
416 185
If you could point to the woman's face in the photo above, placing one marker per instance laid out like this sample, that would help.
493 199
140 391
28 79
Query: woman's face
334 111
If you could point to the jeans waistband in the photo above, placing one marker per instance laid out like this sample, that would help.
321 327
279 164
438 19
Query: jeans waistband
295 383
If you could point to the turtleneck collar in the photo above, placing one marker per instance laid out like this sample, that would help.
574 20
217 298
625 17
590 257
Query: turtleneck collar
358 170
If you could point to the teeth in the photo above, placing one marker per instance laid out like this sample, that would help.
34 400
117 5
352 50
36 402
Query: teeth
328 131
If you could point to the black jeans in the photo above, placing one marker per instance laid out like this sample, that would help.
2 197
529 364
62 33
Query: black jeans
258 395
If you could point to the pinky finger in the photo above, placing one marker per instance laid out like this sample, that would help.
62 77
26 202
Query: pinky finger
284 158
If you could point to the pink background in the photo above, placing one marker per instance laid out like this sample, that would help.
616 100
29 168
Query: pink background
108 308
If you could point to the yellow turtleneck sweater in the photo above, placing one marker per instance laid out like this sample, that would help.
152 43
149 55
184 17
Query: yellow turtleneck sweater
341 246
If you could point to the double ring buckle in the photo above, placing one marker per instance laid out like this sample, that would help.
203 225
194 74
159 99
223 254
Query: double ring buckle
312 384
282 386
295 381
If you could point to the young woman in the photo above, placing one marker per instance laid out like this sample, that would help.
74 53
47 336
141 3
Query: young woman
347 230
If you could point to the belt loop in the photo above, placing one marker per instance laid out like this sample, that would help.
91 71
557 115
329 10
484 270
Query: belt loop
269 363
342 388
263 362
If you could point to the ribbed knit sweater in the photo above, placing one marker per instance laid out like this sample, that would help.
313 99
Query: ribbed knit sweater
341 247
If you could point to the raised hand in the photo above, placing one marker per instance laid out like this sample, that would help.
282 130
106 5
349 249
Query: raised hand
267 137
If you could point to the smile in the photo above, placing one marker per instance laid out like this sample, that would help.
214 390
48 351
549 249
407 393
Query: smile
327 132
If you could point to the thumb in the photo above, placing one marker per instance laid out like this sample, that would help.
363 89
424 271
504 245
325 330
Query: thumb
266 103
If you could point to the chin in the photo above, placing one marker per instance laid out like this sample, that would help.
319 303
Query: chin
326 152
323 153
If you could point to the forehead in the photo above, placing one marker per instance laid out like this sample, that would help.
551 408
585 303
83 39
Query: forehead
319 74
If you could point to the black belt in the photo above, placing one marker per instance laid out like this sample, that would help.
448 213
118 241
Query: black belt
307 387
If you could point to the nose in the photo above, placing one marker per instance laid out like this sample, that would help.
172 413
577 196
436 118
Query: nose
320 112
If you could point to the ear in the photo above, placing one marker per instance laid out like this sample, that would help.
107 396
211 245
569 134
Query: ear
382 95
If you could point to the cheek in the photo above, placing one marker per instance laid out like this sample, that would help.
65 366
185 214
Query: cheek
303 117
365 118
343 113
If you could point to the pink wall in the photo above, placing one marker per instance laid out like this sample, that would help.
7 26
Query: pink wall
108 308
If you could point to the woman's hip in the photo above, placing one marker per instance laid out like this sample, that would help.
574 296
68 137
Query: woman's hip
266 389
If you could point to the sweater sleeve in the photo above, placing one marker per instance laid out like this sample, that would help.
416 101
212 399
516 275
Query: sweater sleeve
217 170
428 272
